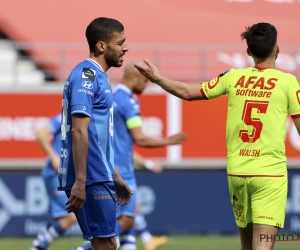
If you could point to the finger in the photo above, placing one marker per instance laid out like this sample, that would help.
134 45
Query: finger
138 67
69 201
147 62
120 200
117 199
74 208
127 200
70 209
75 204
123 200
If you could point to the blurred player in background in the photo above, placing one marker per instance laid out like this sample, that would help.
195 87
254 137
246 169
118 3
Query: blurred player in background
128 130
259 99
87 173
140 224
49 138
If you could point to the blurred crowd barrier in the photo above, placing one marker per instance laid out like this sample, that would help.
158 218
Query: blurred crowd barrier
24 111
174 202
186 62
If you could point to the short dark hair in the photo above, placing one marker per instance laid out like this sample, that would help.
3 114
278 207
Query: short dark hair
261 39
101 29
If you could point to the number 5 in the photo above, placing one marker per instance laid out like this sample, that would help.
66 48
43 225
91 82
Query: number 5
261 107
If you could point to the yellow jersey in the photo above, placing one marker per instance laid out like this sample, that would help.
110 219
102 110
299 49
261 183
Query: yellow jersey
258 104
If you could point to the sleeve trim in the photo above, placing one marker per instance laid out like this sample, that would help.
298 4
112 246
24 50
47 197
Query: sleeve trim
80 112
295 116
203 93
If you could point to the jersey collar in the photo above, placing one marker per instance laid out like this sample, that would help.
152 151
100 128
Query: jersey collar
260 68
95 63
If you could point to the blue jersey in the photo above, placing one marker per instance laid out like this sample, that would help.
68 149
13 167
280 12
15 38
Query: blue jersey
126 107
55 127
87 91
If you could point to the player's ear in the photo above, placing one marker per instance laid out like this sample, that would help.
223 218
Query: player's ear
249 52
277 52
101 46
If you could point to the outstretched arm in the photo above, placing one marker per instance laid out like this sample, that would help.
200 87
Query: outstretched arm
179 89
142 140
297 124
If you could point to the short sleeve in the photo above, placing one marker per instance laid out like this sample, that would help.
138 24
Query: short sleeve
82 93
217 86
294 98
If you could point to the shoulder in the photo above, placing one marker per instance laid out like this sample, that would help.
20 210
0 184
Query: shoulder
225 73
87 71
120 95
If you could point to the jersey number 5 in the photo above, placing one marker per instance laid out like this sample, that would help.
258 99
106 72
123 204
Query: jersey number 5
261 107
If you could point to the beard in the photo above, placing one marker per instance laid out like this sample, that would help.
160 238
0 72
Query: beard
112 58
137 91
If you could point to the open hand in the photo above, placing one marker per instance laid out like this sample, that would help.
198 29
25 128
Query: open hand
177 138
77 197
123 192
150 72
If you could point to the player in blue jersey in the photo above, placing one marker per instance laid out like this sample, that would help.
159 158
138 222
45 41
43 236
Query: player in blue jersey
128 131
149 241
60 220
86 171
127 122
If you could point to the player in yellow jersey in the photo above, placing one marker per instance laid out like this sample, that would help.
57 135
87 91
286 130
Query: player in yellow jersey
259 99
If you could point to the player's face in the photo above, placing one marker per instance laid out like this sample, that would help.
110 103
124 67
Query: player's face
140 83
116 49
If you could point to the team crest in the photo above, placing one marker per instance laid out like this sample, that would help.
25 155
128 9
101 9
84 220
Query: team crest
212 83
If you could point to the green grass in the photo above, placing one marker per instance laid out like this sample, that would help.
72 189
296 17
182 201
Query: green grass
176 242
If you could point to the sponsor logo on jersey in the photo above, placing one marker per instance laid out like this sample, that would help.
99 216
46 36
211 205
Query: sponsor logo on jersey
88 73
87 85
85 91
102 195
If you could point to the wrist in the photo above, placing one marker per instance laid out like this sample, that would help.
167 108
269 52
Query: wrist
149 164
158 80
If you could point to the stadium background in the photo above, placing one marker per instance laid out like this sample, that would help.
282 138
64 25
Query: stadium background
192 41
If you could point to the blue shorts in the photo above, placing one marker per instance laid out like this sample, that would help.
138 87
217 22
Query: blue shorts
97 218
129 209
57 199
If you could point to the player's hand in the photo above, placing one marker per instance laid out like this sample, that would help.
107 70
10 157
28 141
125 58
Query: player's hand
150 72
153 166
177 138
77 197
123 192
157 168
